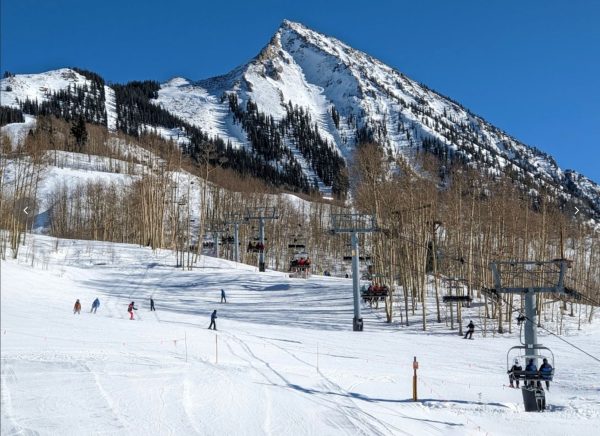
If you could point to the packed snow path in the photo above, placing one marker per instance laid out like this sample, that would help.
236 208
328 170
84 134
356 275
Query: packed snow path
287 361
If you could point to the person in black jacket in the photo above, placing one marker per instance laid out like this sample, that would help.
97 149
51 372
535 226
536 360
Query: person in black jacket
213 323
152 305
513 373
471 329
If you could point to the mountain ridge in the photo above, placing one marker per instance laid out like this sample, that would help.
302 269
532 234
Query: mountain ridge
346 97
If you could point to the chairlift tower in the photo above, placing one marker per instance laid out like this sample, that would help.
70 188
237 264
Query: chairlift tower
235 219
216 228
261 214
529 278
354 223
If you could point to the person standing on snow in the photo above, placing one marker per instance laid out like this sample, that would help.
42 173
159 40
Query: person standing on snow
130 309
223 297
471 329
152 309
213 323
77 308
95 305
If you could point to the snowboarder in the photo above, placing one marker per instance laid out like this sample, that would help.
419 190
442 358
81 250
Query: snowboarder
152 305
223 297
130 309
213 323
95 305
470 330
77 308
513 373
546 372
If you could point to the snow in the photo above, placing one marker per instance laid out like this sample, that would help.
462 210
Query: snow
288 362
110 104
194 104
38 86
17 132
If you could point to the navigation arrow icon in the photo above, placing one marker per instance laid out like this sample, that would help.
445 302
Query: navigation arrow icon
25 210
576 210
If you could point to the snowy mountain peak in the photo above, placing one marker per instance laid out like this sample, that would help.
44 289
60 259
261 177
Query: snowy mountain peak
312 95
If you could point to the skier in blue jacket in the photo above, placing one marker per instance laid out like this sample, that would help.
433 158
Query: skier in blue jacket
531 372
546 372
95 305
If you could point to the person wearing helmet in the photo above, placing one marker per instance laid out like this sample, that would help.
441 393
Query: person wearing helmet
531 372
546 372
514 372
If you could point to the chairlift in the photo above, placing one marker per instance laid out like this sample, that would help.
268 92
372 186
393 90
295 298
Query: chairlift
361 258
300 261
255 247
534 396
457 299
374 293
524 355
227 240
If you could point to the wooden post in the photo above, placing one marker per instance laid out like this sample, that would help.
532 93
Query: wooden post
415 367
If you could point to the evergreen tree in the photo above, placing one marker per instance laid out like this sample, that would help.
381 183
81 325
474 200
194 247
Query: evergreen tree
79 132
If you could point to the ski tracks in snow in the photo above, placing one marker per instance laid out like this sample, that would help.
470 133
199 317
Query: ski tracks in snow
356 420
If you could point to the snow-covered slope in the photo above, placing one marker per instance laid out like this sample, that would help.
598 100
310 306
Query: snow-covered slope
284 360
38 87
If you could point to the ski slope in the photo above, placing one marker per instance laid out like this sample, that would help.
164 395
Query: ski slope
287 363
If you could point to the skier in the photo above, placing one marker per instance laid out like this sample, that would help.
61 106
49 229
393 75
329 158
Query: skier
531 372
546 372
213 323
471 329
130 309
152 305
95 305
77 308
223 297
513 375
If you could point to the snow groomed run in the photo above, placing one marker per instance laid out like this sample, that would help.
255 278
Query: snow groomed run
284 359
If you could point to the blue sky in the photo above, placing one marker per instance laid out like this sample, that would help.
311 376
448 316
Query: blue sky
530 67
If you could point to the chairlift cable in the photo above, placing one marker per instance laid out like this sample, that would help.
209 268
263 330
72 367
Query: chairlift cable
554 334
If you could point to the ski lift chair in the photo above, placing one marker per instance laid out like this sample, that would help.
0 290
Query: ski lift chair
524 355
534 397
